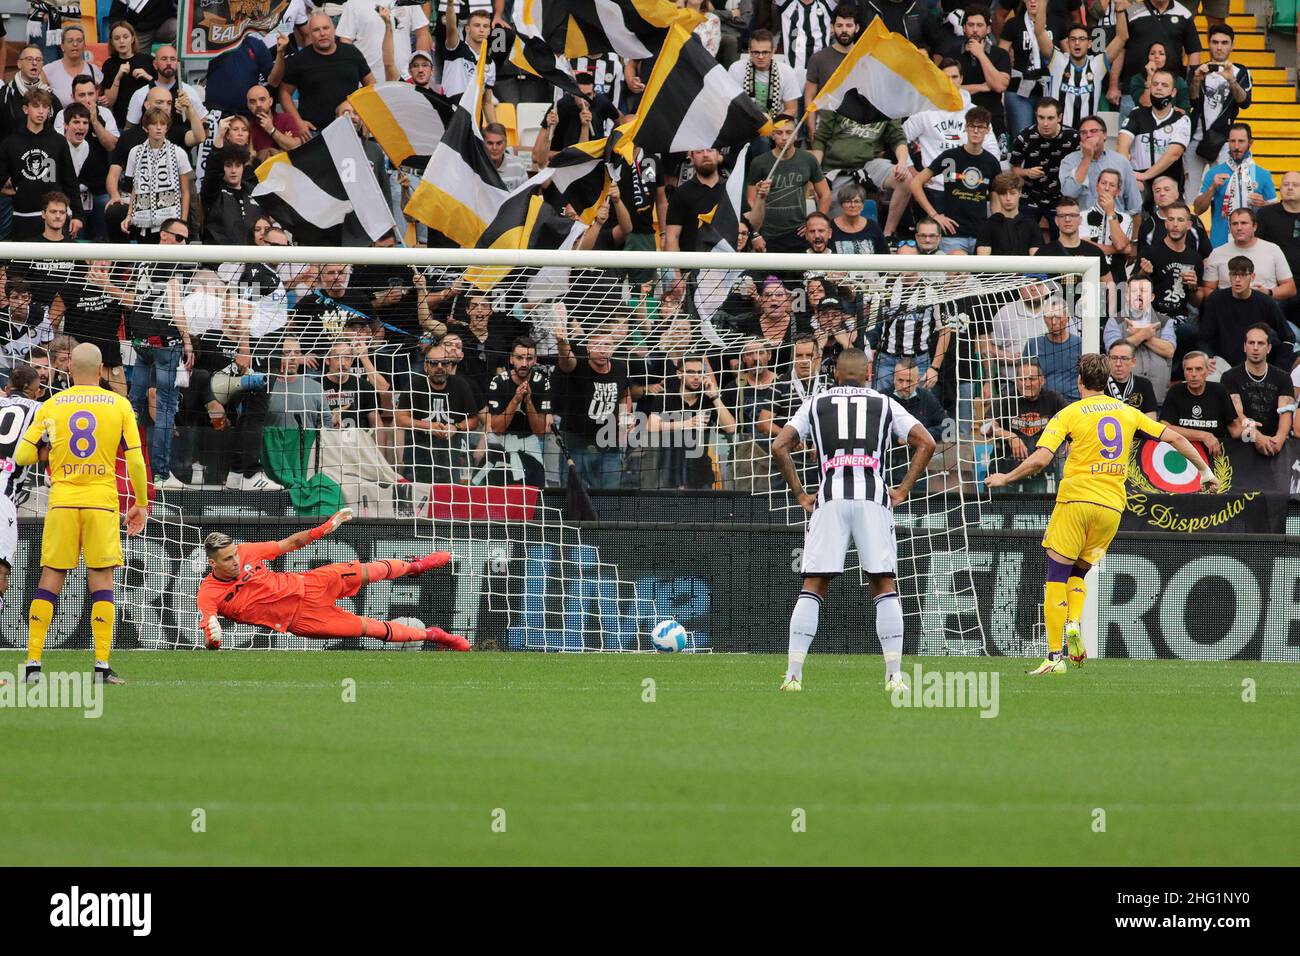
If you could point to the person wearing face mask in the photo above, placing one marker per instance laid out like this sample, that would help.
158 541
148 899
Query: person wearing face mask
1154 138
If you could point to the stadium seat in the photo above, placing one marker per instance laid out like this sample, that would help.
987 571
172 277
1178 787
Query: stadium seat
509 118
529 117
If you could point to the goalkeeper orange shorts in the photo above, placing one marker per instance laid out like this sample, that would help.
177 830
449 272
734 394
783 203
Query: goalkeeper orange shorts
317 615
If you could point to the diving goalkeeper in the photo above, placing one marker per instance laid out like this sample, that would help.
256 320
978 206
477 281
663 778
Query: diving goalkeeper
242 588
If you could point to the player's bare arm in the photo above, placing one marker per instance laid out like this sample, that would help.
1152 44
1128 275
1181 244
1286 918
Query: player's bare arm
1031 466
781 448
1208 480
922 445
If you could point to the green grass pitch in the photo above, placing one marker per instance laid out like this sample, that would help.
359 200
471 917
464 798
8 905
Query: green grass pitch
586 772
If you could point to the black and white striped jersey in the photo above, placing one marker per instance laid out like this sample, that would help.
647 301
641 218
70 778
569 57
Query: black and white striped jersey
851 428
910 317
805 29
16 414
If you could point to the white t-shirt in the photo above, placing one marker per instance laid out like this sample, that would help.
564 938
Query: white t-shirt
938 130
363 26
60 79
1270 264
458 68
790 86
105 118
135 109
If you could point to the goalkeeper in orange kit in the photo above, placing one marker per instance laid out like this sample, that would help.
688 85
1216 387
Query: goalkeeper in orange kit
242 588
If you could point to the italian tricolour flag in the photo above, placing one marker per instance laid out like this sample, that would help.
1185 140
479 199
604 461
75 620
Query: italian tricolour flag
1166 468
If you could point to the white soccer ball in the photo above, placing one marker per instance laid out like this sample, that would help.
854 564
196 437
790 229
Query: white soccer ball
669 636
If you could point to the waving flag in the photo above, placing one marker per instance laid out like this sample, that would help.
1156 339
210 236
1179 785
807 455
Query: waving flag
304 190
885 77
407 123
634 29
691 102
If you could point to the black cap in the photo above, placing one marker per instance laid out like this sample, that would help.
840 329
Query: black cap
829 303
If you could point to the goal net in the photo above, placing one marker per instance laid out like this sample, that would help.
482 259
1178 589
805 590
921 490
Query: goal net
474 398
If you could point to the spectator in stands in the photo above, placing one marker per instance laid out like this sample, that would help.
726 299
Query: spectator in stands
187 99
770 83
1069 242
235 71
1157 21
1149 335
852 232
1228 315
1199 409
1029 57
1012 328
94 300
1007 231
323 75
102 124
127 69
574 119
736 17
161 340
353 392
36 159
1139 88
751 398
421 67
1279 223
693 199
1080 169
710 30
1021 421
90 160
968 172
270 131
1174 270
160 185
935 131
1220 90
985 67
786 201
1036 157
1263 397
440 409
848 151
21 329
520 404
590 386
73 64
1166 194
910 328
1272 274
512 169
806 27
1077 75
691 410
454 343
1236 183
460 57
804 377
1155 137
919 402
844 32
1128 387
363 25
229 209
1057 351
29 76
154 20
1109 227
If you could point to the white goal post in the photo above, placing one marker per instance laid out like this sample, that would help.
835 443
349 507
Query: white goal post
995 281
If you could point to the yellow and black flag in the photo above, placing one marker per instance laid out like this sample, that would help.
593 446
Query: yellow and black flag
305 191
524 222
691 102
634 29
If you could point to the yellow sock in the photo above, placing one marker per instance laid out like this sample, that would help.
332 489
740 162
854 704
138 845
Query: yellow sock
38 623
1077 593
101 623
1054 608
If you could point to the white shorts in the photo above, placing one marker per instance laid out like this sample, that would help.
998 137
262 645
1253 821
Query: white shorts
869 525
8 530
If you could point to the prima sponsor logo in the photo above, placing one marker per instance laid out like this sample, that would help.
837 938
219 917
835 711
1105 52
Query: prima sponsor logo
976 690
77 909
72 690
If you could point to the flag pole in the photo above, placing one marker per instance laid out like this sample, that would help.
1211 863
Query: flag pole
793 138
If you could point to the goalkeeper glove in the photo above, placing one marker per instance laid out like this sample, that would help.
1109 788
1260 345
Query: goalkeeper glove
317 533
212 640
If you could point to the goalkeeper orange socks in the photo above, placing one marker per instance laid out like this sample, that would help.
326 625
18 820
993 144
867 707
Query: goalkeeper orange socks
1077 593
38 623
1056 603
102 612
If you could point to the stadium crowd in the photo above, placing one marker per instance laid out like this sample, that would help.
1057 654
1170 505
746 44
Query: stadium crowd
436 380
